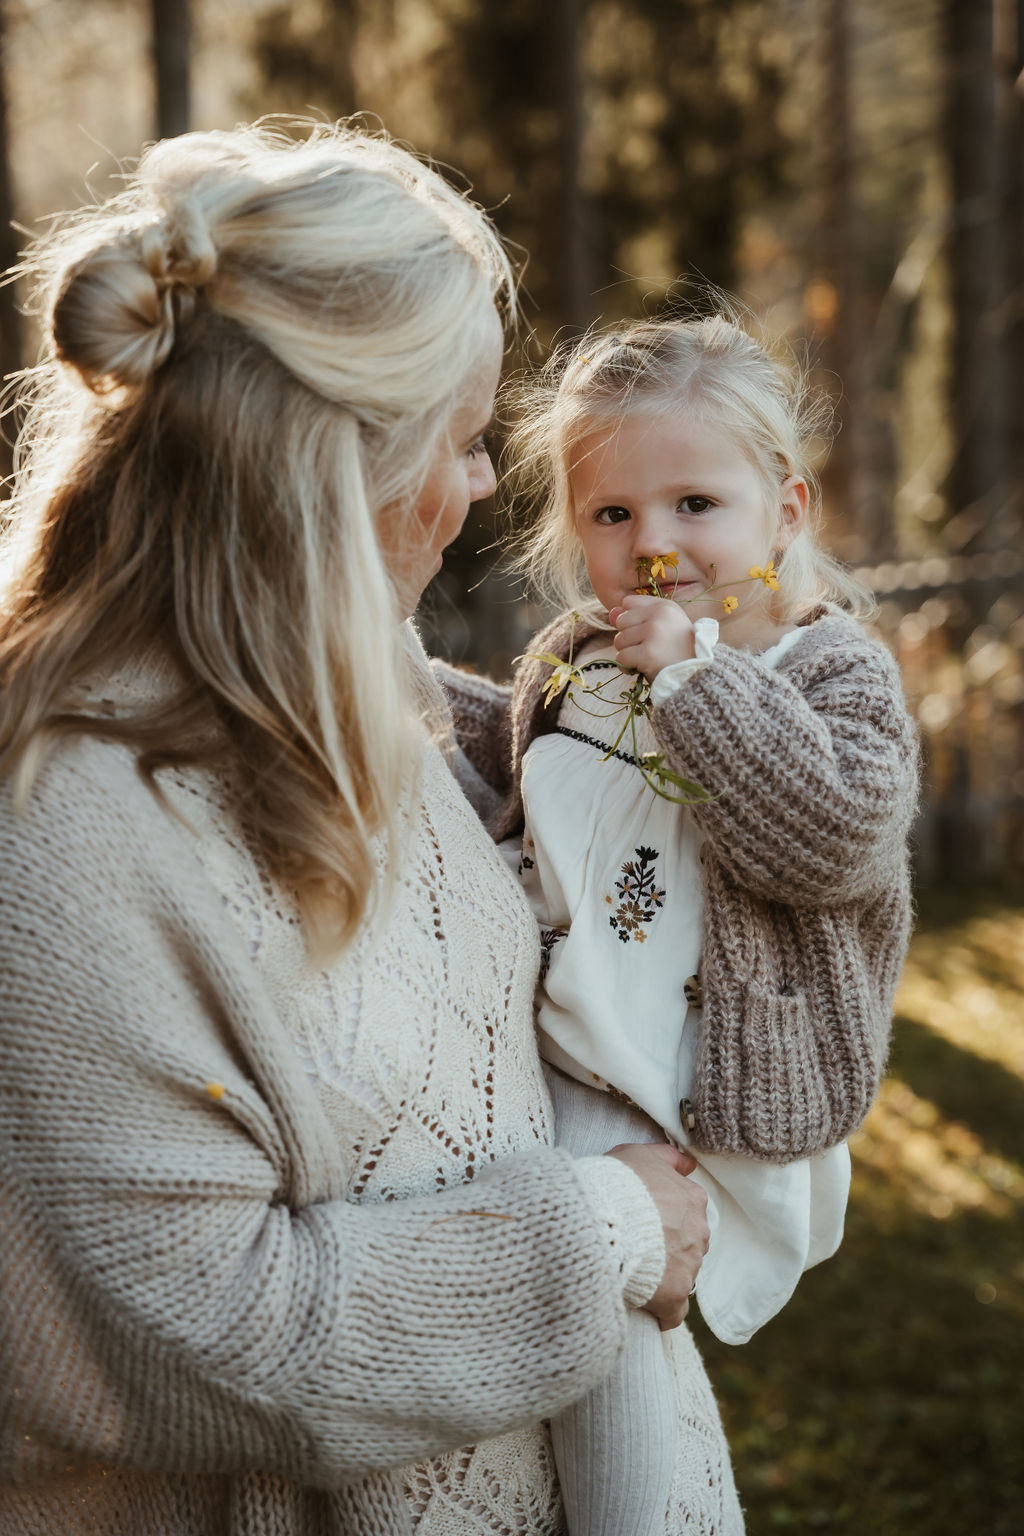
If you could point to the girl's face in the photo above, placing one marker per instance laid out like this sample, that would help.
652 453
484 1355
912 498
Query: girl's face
662 483
460 474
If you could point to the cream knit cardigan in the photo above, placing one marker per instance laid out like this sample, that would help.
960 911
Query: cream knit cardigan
232 1300
807 908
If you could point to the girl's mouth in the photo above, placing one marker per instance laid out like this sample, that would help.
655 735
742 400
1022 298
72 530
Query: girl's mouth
670 588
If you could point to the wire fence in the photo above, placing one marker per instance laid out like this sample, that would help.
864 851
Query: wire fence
956 627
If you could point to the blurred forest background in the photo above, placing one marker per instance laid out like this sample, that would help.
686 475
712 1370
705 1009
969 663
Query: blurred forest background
853 170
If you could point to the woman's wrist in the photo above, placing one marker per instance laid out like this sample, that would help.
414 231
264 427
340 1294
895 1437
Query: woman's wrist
621 1200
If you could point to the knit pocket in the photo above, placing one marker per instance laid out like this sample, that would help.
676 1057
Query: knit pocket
784 1089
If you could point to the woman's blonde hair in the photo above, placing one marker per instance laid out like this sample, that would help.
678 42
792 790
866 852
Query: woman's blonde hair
709 366
251 352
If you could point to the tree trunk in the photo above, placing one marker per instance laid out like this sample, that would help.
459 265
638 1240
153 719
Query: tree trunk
1009 51
171 67
574 287
975 148
852 456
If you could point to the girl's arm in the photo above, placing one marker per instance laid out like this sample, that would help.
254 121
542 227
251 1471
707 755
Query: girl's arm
480 709
185 1286
813 765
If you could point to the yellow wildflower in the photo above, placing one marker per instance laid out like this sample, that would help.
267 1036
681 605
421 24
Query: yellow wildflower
729 604
767 574
661 563
562 674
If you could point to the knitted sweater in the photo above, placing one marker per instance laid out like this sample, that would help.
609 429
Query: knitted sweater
268 1233
813 766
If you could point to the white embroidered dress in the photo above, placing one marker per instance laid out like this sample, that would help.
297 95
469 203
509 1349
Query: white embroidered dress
612 872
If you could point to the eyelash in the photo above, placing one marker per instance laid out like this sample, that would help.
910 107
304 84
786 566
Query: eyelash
482 445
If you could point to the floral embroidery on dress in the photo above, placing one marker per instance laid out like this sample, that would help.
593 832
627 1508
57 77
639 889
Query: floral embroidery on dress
693 992
639 897
525 862
549 937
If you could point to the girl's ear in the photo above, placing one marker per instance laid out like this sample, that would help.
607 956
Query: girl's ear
792 510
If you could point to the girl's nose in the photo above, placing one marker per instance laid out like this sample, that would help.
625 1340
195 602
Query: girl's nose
652 535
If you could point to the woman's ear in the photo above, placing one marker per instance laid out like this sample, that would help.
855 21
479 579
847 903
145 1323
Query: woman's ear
793 506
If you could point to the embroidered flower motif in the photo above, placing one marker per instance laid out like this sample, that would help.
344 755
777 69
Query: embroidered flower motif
730 604
215 1090
767 574
639 897
693 992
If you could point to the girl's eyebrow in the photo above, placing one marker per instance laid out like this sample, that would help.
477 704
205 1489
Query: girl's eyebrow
602 499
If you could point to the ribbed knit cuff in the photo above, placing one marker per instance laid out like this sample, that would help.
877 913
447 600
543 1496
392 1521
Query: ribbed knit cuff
620 1198
705 638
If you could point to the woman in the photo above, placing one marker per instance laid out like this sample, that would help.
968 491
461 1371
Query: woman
279 1214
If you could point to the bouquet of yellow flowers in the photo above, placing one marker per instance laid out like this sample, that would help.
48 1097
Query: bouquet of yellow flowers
635 700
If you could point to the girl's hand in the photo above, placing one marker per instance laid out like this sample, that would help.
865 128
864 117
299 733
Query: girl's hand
652 634
682 1206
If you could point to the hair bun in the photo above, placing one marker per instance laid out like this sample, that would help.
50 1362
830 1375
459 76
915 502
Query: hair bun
118 307
177 249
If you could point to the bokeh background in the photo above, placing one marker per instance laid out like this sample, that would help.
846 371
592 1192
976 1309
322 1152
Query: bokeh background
853 171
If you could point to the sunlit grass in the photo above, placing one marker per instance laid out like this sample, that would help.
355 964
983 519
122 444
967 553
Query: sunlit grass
888 1398
930 1164
967 983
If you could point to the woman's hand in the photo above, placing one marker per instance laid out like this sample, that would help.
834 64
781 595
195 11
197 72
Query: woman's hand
682 1206
652 634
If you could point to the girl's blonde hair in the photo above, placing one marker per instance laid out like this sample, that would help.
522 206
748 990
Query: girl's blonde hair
711 367
251 351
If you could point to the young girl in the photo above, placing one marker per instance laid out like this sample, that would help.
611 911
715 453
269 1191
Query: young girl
717 973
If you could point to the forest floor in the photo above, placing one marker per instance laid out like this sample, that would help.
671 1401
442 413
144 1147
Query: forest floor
887 1399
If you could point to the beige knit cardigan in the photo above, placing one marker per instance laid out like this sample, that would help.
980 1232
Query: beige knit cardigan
814 767
201 1332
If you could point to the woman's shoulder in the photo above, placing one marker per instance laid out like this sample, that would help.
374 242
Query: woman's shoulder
90 829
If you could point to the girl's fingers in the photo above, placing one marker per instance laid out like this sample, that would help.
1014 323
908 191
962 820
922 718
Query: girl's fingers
638 602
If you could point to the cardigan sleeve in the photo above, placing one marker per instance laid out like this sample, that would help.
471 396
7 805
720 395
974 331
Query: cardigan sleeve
481 710
181 1286
813 765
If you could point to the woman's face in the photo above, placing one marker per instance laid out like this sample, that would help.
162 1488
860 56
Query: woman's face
461 473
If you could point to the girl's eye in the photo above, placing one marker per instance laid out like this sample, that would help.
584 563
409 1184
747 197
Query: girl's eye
695 504
611 515
482 445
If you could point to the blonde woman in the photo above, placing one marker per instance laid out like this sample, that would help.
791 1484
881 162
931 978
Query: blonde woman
285 1248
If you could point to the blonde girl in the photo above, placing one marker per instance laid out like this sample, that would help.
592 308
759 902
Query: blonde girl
719 973
286 1248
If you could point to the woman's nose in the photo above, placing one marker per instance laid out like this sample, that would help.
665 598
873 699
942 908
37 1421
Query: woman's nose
483 481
